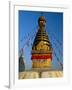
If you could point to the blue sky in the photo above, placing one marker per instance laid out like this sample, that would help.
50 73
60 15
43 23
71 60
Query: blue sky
28 26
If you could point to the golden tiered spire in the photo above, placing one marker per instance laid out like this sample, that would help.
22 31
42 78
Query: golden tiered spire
41 49
42 36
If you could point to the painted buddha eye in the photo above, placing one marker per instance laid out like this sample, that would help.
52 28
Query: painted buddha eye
41 21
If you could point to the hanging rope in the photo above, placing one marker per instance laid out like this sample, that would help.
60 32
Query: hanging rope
25 37
54 37
58 60
28 38
58 48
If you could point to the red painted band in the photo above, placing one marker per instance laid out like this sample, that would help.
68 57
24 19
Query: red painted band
41 57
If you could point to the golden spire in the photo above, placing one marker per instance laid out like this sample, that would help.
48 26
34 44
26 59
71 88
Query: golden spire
42 37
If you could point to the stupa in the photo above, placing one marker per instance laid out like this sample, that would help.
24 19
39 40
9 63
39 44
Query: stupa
41 54
21 62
